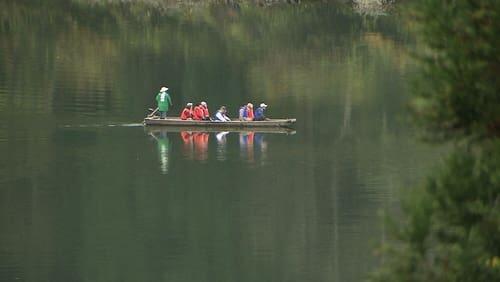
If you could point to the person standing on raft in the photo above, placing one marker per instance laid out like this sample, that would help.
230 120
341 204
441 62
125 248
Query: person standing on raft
164 102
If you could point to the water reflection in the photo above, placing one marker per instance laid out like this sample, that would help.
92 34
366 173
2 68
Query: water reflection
302 216
187 145
201 146
163 149
195 144
246 146
261 144
221 145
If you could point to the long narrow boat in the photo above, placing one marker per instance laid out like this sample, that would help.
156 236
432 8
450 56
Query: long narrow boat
234 124
166 129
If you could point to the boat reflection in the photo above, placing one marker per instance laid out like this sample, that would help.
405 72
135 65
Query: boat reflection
195 145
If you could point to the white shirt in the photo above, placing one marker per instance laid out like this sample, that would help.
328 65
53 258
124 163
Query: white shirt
221 117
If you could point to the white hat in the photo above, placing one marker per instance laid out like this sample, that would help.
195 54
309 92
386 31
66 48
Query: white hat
204 103
189 104
262 105
163 89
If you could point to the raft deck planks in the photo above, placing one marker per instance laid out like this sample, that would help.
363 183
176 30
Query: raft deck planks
169 121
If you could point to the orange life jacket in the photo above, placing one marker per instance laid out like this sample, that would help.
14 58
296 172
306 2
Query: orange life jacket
186 113
198 113
250 115
206 114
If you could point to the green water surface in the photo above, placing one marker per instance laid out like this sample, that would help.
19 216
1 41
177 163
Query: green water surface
88 194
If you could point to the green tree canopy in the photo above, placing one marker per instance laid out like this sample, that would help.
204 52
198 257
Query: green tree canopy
459 87
450 229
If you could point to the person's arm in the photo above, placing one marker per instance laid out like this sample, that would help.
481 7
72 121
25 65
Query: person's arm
219 117
169 99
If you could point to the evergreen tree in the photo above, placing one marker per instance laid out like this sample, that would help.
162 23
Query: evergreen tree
458 92
450 227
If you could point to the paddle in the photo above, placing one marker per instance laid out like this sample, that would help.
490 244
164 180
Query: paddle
153 113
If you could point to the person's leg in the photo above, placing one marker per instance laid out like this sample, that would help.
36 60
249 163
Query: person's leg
163 114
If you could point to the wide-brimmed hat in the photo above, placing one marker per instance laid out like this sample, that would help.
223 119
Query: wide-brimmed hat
163 89
262 105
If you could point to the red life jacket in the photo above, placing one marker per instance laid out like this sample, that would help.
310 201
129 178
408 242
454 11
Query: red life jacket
186 113
205 112
250 115
198 113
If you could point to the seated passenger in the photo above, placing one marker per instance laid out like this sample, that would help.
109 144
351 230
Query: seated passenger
242 112
206 114
198 113
259 113
249 116
221 115
187 113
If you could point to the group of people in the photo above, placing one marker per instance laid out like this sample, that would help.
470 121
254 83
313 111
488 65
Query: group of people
246 112
201 112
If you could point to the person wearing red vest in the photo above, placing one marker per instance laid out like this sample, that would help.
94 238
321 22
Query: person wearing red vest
187 113
206 114
249 112
198 113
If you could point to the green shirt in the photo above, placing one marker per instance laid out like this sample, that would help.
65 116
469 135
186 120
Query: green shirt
164 101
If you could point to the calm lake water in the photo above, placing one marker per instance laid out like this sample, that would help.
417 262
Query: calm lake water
88 194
